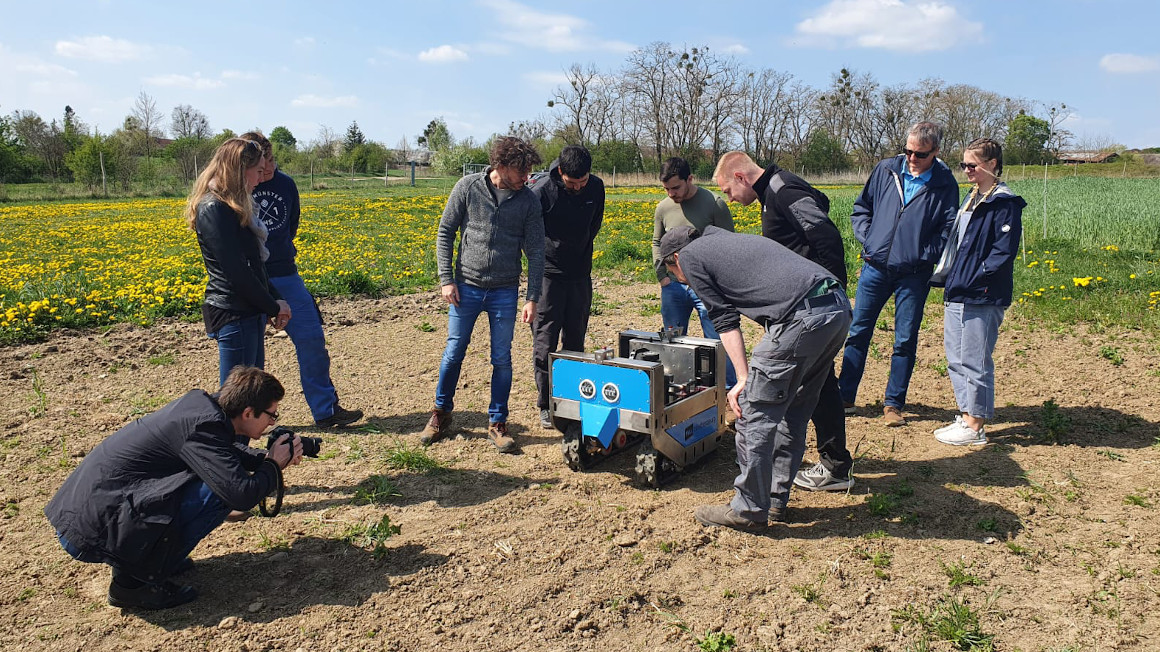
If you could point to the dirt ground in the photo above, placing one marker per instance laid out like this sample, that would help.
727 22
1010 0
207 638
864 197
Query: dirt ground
1052 546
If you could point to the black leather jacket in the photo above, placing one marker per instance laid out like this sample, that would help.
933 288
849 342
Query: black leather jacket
237 276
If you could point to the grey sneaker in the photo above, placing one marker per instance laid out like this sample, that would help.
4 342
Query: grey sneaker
546 420
960 434
819 478
724 516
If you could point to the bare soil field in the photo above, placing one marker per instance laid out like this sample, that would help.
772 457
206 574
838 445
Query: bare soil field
1040 544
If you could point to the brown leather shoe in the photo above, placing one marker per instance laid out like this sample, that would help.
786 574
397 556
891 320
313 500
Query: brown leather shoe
893 416
438 426
498 434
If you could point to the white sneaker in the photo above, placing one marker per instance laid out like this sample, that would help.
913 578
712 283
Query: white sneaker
947 428
960 434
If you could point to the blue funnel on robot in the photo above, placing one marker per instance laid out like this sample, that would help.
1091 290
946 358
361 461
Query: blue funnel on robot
599 422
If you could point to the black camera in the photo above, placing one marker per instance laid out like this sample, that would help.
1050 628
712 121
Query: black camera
311 446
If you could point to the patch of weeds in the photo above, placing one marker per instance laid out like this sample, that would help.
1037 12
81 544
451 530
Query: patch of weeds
879 560
375 490
1112 355
926 471
881 504
1125 573
667 546
1055 423
957 575
876 534
637 557
163 359
355 453
1112 455
989 524
650 308
276 543
716 642
11 442
729 594
11 509
425 327
1105 602
1017 549
812 593
412 458
902 489
882 325
940 367
1137 500
25 594
39 397
950 620
874 351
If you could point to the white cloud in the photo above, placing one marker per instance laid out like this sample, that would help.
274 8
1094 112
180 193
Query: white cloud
320 102
898 25
735 48
24 63
546 79
553 32
305 42
105 49
1122 63
443 54
196 82
239 75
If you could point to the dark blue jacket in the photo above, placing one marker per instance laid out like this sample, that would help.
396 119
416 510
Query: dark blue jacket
984 266
276 202
904 239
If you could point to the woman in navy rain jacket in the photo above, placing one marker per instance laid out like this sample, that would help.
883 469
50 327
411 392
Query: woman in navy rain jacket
976 270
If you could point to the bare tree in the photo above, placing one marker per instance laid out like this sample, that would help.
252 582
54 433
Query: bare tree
188 122
762 112
648 82
575 99
148 121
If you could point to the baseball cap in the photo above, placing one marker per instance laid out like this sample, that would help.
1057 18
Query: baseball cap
675 240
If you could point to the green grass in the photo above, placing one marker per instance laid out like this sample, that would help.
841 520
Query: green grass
411 458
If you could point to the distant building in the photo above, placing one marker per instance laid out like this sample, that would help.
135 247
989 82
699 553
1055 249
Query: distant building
1087 157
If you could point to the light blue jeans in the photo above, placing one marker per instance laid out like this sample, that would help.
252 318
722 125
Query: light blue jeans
969 335
500 306
305 331
678 301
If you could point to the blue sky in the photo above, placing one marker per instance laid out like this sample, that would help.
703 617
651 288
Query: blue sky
481 64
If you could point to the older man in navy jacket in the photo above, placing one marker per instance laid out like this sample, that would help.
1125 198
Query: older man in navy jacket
901 218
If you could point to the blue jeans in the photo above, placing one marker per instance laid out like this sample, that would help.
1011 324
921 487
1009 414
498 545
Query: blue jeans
970 332
500 306
875 287
677 304
199 512
241 342
305 331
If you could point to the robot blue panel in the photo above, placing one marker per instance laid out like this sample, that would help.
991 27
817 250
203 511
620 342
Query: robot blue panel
696 428
597 384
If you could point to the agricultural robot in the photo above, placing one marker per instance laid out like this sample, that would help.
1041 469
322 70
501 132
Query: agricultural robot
663 391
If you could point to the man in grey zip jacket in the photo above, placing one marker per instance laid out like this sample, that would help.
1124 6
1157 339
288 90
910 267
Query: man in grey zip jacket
902 218
496 218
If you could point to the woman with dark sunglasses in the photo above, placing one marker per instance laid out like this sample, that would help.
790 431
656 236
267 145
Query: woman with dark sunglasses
238 295
977 270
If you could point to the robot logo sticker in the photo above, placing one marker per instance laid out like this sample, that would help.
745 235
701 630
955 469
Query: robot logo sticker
587 389
610 392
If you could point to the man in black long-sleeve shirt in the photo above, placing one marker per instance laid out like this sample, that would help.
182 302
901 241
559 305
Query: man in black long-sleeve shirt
146 495
796 215
572 199
805 314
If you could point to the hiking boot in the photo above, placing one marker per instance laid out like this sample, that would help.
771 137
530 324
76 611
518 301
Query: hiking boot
960 434
498 434
724 516
437 427
778 514
893 416
341 418
151 596
546 420
819 478
183 567
849 409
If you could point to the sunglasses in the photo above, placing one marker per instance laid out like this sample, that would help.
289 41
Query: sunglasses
968 166
273 415
917 154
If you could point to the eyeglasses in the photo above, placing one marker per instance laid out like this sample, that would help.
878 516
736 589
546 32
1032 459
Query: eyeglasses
968 166
917 154
273 415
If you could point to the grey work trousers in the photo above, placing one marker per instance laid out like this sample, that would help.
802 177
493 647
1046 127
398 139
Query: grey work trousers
786 373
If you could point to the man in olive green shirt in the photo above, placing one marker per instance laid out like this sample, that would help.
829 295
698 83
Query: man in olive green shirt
687 204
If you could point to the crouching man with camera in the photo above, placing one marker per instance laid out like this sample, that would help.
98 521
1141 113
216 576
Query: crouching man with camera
146 495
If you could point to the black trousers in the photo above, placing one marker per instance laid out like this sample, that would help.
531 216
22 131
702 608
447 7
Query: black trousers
830 426
564 307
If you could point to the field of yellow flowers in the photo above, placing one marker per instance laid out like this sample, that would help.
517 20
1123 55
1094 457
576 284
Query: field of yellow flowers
81 264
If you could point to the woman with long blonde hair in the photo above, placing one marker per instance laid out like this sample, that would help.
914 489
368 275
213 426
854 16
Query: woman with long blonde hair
238 295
